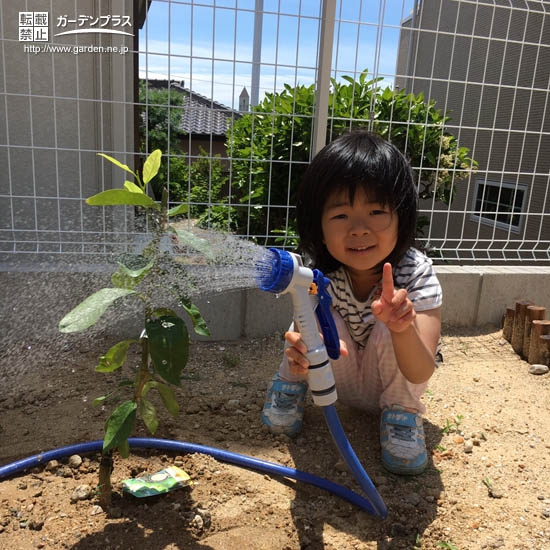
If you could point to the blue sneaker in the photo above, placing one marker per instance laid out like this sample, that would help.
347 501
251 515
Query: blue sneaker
284 406
402 441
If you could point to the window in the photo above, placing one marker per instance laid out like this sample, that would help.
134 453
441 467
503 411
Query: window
499 204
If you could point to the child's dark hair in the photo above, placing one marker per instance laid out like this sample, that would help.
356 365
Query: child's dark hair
352 161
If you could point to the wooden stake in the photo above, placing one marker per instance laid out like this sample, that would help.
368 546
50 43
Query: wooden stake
539 328
533 313
519 323
544 349
508 323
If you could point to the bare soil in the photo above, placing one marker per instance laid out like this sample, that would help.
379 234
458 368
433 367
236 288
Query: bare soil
487 484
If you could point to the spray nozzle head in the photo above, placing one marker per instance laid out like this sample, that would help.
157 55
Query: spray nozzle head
274 271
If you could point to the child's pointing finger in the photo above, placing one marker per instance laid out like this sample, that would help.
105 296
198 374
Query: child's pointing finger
388 289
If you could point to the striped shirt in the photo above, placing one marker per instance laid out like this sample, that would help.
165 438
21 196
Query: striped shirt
414 273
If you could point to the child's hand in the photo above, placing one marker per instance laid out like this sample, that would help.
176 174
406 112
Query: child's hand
393 308
296 350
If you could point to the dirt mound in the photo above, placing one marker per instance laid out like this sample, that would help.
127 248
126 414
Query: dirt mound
487 485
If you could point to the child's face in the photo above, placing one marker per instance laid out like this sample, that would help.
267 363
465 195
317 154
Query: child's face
359 235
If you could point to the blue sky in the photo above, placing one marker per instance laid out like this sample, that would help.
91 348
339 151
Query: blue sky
209 43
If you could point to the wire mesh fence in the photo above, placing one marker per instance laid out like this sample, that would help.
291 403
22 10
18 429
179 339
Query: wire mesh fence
239 95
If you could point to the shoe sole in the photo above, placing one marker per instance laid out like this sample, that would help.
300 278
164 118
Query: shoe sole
280 430
404 471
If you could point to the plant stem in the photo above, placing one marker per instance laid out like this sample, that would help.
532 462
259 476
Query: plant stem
142 376
164 211
105 488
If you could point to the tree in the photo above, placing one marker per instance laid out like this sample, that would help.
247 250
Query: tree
160 128
164 340
272 149
208 194
273 145
161 114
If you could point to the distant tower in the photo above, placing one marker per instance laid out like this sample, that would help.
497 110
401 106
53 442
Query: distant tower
244 101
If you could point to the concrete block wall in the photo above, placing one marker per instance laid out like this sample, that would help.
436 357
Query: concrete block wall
472 296
33 302
479 295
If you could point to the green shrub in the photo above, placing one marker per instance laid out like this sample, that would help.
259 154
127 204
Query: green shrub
272 146
161 113
208 193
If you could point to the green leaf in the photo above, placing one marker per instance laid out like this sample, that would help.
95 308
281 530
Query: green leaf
387 94
163 312
147 386
115 357
168 346
120 425
134 265
180 209
88 312
132 187
101 399
151 166
168 397
118 163
197 243
148 414
121 280
117 197
199 324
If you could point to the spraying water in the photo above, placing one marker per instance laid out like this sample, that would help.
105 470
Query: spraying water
210 262
200 264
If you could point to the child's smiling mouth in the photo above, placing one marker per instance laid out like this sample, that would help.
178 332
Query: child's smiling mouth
360 248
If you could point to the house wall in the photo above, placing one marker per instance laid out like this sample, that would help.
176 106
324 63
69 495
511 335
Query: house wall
61 109
488 66
213 145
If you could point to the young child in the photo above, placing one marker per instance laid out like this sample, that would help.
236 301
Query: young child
356 216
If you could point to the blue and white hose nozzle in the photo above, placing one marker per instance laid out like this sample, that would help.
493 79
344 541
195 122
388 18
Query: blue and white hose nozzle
283 272
276 270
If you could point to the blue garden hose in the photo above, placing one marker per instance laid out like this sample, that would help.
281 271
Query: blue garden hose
282 272
184 447
348 454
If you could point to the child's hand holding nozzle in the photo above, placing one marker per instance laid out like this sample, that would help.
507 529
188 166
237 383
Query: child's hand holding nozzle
296 350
